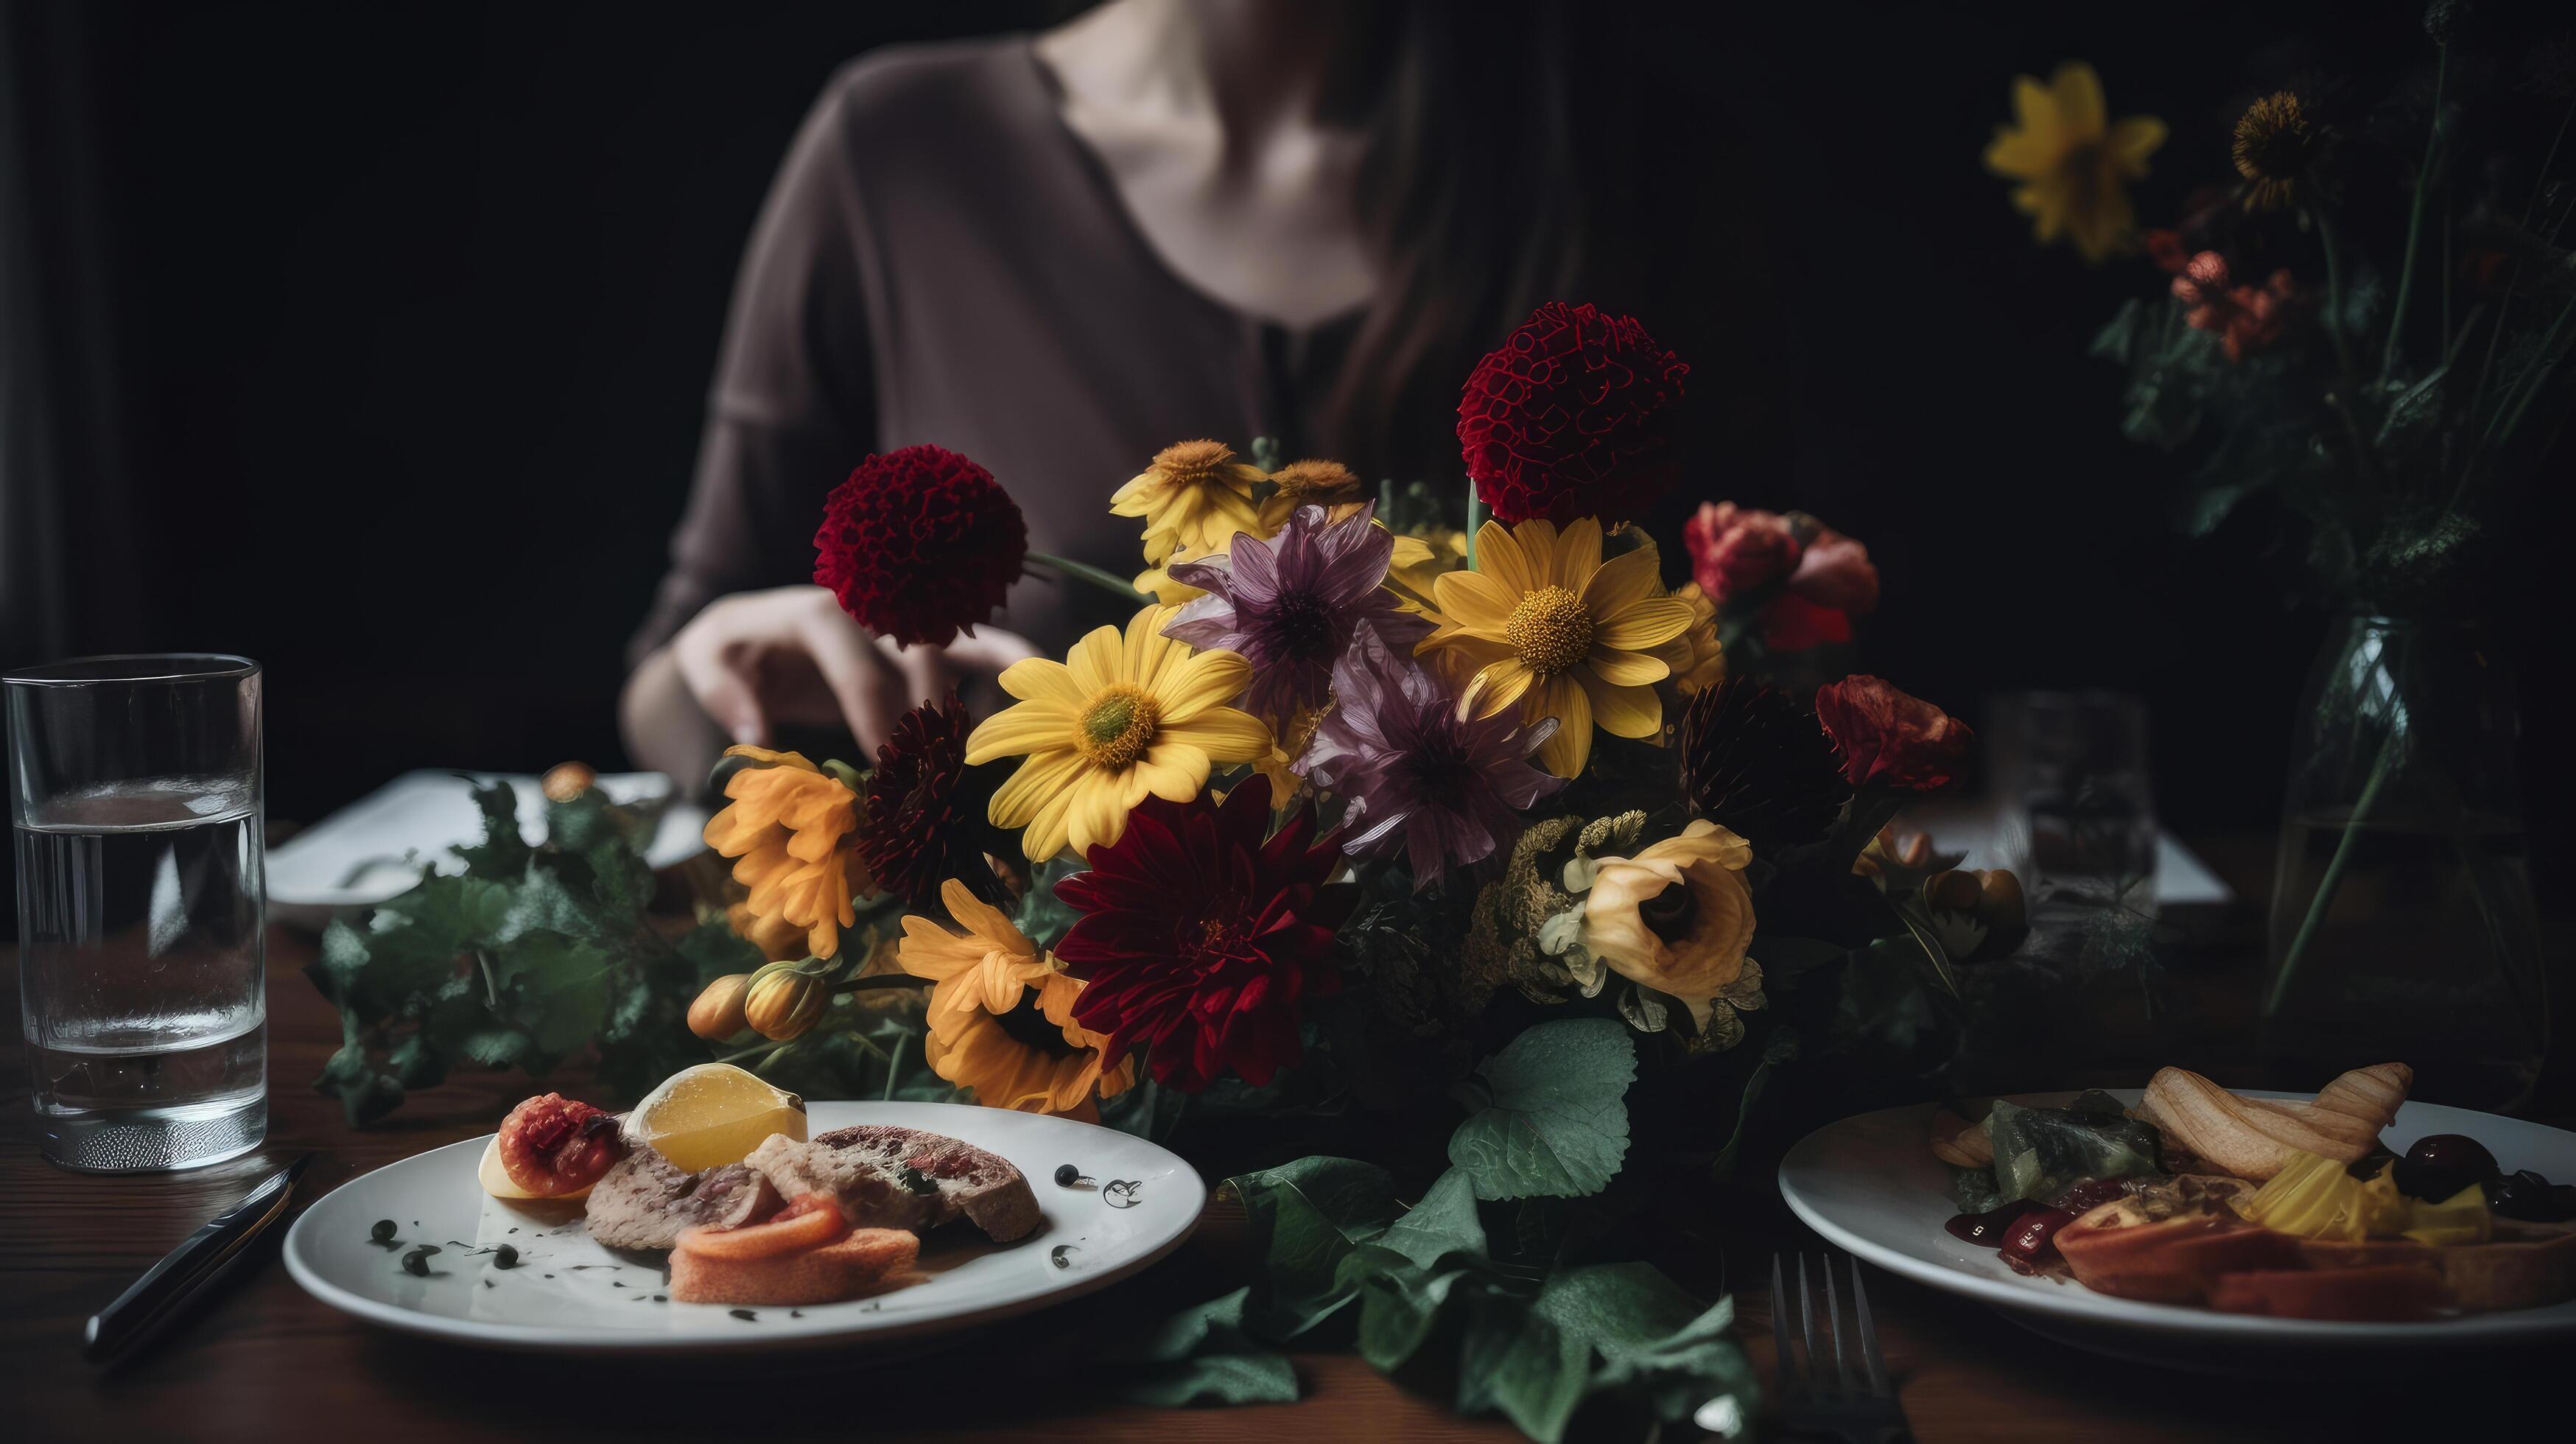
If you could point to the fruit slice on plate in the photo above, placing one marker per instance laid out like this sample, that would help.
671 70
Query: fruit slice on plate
496 1179
712 1115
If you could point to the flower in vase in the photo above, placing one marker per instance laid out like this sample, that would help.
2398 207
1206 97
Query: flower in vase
1119 719
1571 417
2072 160
1202 934
1677 918
1758 765
1420 769
1697 658
2274 145
1327 484
1291 605
920 544
922 811
1735 550
1887 738
1193 494
2246 318
1544 623
1001 1013
783 828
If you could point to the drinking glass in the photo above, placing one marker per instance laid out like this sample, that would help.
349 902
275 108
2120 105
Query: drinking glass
135 790
2070 770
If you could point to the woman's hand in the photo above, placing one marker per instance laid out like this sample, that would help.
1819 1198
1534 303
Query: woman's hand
790 656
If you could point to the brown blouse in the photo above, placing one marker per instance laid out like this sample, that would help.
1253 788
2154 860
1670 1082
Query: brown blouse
942 260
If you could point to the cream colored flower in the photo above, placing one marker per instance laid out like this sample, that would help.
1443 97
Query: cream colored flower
1677 917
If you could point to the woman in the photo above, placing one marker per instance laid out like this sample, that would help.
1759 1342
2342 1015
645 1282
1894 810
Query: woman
1167 219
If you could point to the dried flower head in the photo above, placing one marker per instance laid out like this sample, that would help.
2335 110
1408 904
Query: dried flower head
2274 146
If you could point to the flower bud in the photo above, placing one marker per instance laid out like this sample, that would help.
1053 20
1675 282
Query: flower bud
567 780
2006 914
783 1002
718 1012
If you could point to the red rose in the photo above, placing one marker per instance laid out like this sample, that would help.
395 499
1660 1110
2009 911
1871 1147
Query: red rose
1738 549
920 544
1570 418
1889 739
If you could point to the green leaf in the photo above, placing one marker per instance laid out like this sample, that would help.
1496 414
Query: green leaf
1444 1222
1041 918
502 851
1203 1355
1305 1218
1557 1123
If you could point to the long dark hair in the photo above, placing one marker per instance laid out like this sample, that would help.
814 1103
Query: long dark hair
1502 145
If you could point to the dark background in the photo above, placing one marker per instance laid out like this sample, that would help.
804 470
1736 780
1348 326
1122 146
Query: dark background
395 324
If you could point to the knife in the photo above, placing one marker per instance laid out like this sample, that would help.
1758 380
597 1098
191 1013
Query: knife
154 1299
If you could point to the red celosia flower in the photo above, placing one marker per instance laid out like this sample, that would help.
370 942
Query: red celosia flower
1199 939
1570 418
1890 739
921 818
919 544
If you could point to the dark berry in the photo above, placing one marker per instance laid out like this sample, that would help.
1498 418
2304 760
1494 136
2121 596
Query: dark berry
1066 1175
2441 1165
383 1231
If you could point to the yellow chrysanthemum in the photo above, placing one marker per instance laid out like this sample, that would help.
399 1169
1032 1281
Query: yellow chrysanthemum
1193 494
1697 658
1114 721
1546 623
2074 162
1327 484
784 828
986 1033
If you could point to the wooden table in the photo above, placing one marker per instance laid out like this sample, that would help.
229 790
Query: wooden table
261 1360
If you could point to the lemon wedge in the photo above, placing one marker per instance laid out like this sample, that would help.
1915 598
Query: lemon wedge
713 1114
496 1179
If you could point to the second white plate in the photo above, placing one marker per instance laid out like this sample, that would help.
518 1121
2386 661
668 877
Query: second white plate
1870 1185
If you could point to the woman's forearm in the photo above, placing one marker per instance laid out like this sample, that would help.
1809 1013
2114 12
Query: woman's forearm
664 727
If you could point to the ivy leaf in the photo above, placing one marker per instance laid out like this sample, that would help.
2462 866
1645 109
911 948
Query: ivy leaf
503 850
1556 1122
1305 1218
1041 918
1622 1330
1203 1355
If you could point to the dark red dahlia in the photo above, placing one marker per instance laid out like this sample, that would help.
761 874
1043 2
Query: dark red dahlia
919 544
1202 934
1571 417
921 819
1756 764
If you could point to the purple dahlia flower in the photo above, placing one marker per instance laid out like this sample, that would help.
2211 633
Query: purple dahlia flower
1414 765
1292 605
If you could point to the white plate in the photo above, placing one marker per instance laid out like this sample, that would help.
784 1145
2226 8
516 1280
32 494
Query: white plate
1871 1185
569 1294
373 848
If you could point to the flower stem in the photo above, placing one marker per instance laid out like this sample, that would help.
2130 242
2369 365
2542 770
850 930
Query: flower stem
2333 878
894 1063
1475 522
1109 582
2415 218
2334 299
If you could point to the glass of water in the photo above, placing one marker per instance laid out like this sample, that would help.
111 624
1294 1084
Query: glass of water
135 789
2079 803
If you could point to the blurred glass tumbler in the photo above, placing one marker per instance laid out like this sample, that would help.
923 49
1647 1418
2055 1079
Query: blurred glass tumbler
135 789
2070 769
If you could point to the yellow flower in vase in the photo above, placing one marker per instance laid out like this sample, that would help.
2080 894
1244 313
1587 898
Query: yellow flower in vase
1545 623
1677 918
785 828
2072 160
1327 484
1117 720
1001 1014
1193 494
1697 658
2273 147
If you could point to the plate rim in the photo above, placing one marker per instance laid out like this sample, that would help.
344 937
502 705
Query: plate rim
877 1329
2175 1320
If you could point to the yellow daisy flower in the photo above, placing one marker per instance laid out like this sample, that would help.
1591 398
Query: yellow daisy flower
1327 484
1116 720
1417 565
1697 658
986 1033
1194 494
785 828
2073 160
1156 581
1546 623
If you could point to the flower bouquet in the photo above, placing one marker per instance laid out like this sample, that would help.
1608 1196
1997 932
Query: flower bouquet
1479 851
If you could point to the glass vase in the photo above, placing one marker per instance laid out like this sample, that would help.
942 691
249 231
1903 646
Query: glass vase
2402 925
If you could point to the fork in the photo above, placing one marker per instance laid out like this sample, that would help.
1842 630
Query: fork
1815 1403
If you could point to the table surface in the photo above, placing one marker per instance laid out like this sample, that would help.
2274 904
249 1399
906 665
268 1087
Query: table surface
259 1359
